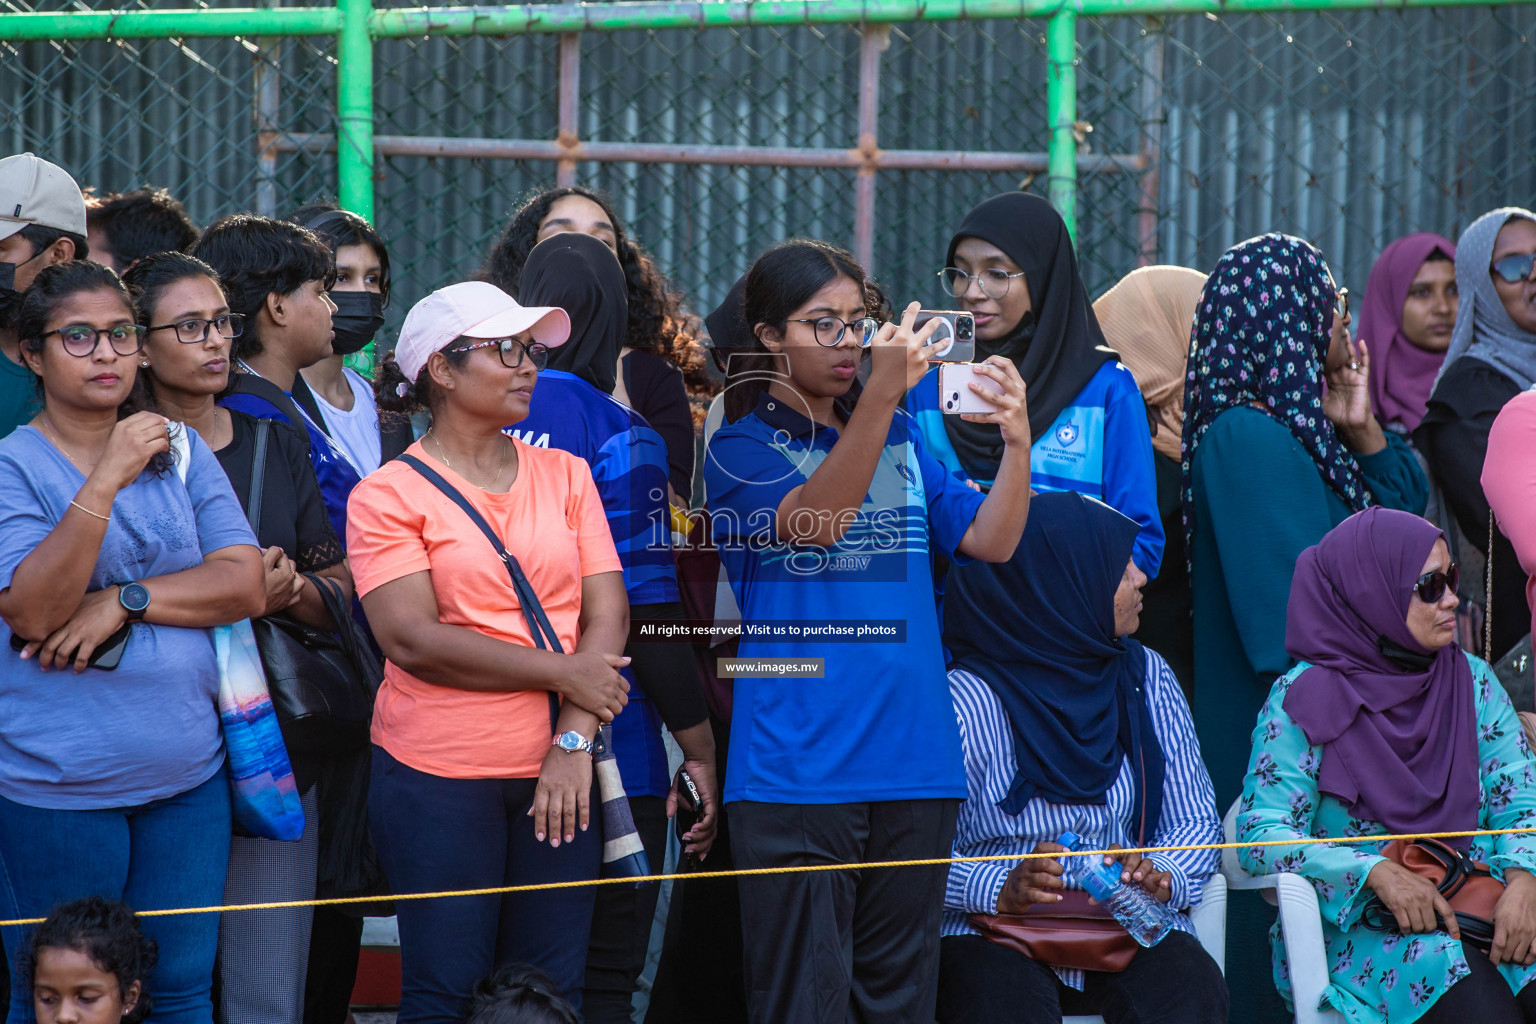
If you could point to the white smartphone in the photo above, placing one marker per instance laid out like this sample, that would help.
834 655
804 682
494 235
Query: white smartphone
955 394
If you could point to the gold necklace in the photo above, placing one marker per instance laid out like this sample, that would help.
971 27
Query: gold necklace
55 442
442 454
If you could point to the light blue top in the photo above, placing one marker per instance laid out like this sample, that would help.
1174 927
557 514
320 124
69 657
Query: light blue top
148 729
984 829
1377 976
1100 446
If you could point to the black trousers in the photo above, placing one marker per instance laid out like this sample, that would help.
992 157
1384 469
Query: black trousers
1482 997
335 943
834 947
621 925
1173 982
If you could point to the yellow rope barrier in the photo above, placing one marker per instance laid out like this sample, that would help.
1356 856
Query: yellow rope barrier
795 869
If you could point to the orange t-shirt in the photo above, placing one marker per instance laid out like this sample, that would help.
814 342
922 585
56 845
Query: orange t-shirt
552 520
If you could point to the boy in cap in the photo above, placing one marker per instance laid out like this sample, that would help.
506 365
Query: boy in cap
42 222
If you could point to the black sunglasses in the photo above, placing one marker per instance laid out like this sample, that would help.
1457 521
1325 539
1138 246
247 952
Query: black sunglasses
1431 586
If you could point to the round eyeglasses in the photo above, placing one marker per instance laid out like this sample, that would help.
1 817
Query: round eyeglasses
195 329
80 340
829 330
512 352
994 281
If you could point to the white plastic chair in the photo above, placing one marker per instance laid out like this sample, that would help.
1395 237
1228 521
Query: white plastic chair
1210 921
1301 927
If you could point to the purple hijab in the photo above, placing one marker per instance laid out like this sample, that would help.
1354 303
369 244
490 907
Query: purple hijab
1402 374
1399 744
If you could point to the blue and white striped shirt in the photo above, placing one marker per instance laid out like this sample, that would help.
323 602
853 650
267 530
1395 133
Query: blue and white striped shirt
984 829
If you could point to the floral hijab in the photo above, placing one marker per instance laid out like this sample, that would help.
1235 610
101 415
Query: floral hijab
1260 339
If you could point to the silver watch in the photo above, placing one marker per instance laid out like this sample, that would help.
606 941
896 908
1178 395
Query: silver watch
572 742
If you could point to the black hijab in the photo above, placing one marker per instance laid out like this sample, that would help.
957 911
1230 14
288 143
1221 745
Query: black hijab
1039 630
583 277
1059 348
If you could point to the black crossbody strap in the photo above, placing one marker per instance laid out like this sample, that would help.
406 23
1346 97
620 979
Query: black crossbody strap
538 623
258 477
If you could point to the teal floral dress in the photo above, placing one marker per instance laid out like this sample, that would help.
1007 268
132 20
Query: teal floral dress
1377 976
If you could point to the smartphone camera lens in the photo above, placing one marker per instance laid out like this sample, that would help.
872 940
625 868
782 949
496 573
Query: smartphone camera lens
963 329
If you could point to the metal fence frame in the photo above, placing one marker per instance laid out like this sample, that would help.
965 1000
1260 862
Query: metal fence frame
357 24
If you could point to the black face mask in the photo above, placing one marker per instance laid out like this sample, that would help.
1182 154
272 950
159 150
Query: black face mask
358 317
10 298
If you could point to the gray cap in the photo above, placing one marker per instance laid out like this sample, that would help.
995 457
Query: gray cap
34 191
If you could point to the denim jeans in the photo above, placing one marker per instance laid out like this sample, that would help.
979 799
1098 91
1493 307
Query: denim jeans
437 834
167 853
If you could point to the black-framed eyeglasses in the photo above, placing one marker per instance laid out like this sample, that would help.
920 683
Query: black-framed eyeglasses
829 330
1431 586
195 329
512 352
1515 268
80 340
994 281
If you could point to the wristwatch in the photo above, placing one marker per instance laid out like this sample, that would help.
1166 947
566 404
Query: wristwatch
134 597
573 741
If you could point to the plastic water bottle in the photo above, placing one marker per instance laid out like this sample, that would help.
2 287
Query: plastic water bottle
1143 916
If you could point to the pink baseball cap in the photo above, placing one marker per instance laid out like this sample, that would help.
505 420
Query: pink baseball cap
472 309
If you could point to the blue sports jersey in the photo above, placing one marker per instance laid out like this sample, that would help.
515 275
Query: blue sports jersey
1100 446
879 725
333 468
629 465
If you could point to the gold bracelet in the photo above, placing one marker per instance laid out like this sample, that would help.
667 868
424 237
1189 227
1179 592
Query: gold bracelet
98 515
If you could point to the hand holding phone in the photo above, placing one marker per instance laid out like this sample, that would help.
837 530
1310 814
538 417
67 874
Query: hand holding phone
690 807
955 394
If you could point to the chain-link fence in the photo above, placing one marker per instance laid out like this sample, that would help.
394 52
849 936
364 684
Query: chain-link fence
1195 132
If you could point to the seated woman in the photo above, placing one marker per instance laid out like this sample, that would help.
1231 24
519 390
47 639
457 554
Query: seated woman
1056 709
1012 266
1386 726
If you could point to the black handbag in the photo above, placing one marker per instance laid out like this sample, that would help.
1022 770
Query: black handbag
322 682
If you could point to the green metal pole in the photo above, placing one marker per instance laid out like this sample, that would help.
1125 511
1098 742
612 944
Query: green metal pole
1061 108
184 24
354 108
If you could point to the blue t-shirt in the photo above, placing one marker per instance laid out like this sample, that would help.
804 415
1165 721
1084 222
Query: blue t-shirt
333 468
629 465
879 725
1099 446
148 729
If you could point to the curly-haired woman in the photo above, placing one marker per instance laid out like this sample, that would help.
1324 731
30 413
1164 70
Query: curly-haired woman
660 373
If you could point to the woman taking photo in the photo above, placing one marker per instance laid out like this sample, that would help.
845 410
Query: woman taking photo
807 490
659 369
114 785
1492 358
188 329
1012 266
1066 725
472 787
1385 726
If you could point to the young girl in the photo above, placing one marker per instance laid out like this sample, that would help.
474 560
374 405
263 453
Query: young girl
89 964
826 506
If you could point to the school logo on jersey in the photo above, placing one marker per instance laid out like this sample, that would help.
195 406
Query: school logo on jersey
1066 434
906 472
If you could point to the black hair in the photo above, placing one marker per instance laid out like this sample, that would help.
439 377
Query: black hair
41 238
337 227
520 994
390 381
106 932
657 320
148 277
1438 255
781 280
255 257
49 289
138 223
